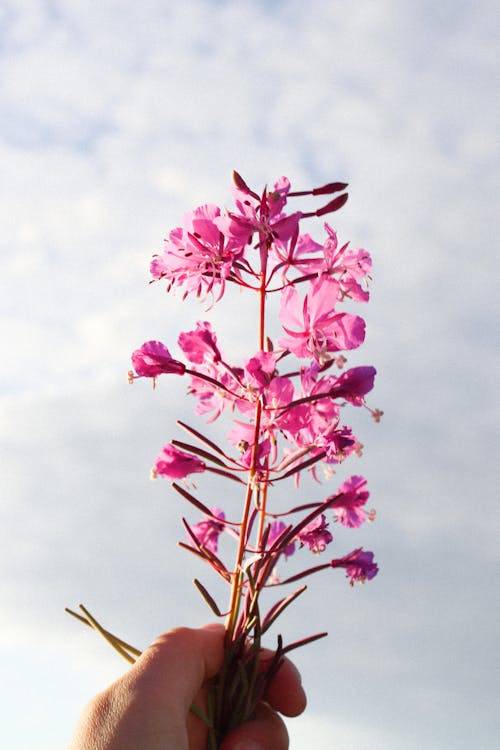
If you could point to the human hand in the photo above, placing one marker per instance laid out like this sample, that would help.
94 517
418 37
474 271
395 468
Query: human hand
149 707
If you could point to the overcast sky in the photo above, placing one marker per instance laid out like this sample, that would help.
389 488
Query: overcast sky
115 118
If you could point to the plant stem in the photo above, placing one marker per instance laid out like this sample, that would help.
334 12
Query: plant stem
237 574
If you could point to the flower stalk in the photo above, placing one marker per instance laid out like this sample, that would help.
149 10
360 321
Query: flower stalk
289 424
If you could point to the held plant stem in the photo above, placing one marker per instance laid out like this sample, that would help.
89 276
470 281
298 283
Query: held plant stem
288 423
234 601
237 576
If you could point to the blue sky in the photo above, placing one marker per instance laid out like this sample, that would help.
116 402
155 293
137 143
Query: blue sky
114 120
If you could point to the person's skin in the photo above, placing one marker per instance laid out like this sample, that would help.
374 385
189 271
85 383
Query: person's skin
149 707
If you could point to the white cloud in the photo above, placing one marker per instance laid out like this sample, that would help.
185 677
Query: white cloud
115 120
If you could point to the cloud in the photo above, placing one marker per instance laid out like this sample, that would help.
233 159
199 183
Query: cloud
115 120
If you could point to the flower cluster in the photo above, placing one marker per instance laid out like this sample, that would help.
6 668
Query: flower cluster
286 399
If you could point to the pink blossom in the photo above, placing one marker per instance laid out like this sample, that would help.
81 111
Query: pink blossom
258 215
316 535
348 265
242 435
306 425
358 565
278 394
296 254
352 494
262 454
212 398
153 359
201 344
338 442
353 384
309 419
277 528
176 464
207 532
260 369
259 379
195 256
321 329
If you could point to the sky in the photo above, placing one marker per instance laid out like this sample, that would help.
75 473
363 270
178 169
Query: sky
115 119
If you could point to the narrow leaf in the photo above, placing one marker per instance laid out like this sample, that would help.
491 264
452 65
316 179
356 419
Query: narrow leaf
226 474
191 499
279 607
207 554
303 642
106 635
199 452
301 467
208 598
122 643
294 456
201 438
303 574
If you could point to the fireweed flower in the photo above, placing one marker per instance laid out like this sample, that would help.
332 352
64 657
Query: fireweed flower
195 256
353 384
207 532
322 331
219 395
316 535
352 495
254 214
359 565
287 416
277 528
173 463
200 345
350 266
153 359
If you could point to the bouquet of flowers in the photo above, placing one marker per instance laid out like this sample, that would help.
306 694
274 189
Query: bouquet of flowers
287 397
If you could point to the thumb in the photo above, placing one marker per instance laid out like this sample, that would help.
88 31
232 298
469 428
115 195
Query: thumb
172 670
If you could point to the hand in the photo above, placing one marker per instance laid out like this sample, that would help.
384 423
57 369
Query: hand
149 707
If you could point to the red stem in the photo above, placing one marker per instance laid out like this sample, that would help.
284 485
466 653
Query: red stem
236 584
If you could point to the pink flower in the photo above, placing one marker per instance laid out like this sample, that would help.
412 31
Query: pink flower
153 359
348 265
207 532
321 329
241 435
201 344
316 534
352 385
175 464
195 255
258 215
260 369
262 455
212 397
277 528
352 495
358 565
337 442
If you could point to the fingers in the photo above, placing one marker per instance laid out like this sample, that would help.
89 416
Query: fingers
148 706
179 662
265 731
285 692
152 701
